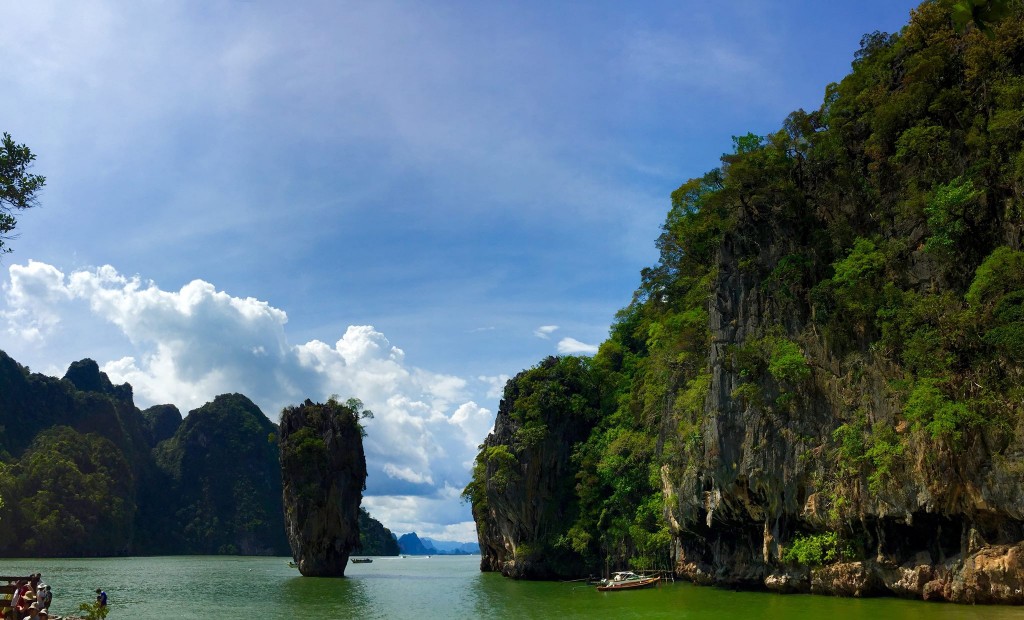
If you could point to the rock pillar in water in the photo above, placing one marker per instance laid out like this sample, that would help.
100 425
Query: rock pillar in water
323 472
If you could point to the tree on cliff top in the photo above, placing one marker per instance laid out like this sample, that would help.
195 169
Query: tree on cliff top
17 187
323 472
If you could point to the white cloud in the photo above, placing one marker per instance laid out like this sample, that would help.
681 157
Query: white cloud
403 513
545 331
33 294
464 531
187 346
571 346
474 422
496 385
404 473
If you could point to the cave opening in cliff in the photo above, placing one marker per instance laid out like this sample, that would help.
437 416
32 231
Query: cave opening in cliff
937 535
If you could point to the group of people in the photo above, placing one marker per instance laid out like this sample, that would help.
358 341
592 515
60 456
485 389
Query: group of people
31 600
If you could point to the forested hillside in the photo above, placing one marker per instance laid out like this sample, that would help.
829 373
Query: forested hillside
374 538
83 472
819 385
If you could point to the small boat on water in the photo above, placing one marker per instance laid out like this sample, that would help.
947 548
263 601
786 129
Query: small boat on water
361 560
292 565
627 580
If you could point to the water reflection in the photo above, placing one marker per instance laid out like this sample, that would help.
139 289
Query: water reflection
323 597
425 589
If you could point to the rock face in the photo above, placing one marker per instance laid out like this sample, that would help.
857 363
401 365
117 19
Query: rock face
829 355
222 470
412 545
992 575
525 477
882 439
162 421
323 472
140 483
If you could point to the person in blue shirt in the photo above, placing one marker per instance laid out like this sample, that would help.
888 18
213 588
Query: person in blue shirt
101 597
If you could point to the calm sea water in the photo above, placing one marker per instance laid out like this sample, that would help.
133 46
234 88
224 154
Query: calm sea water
447 588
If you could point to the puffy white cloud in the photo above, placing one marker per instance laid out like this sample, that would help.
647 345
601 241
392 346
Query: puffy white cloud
496 385
403 513
404 473
571 346
474 422
186 346
545 331
34 291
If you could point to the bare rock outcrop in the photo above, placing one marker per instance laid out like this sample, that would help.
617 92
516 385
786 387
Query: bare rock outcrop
323 471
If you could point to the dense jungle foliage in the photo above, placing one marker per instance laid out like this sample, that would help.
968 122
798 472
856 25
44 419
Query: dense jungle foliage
883 228
83 472
374 538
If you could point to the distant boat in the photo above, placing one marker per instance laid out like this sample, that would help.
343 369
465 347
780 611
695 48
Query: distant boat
292 565
627 580
361 560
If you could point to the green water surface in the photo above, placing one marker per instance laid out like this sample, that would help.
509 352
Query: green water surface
423 589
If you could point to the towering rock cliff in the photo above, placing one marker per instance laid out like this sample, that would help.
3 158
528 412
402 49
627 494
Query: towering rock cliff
523 480
861 433
374 538
324 475
84 473
820 383
221 469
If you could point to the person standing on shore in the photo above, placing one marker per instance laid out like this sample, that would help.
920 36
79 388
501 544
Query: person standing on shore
19 590
44 596
101 597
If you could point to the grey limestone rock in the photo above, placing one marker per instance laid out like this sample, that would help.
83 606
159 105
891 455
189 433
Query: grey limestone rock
323 471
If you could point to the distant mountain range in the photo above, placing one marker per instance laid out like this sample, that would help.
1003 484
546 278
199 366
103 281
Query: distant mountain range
411 544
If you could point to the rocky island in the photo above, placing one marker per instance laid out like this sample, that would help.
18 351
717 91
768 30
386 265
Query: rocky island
323 472
820 385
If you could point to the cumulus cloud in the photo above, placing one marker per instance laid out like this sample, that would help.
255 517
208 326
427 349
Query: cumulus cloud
571 346
186 346
496 384
402 514
32 294
473 421
545 331
407 474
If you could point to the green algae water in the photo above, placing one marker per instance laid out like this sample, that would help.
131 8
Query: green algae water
448 588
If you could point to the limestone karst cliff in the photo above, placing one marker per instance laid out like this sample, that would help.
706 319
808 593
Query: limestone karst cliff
223 481
820 385
85 473
324 474
524 485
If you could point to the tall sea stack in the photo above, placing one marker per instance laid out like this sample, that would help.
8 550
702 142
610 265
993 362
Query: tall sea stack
323 470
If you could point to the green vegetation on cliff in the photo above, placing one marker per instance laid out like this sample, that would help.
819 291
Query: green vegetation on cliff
222 470
323 471
374 538
83 472
832 342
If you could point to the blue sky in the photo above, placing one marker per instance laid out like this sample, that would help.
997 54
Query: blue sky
406 202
